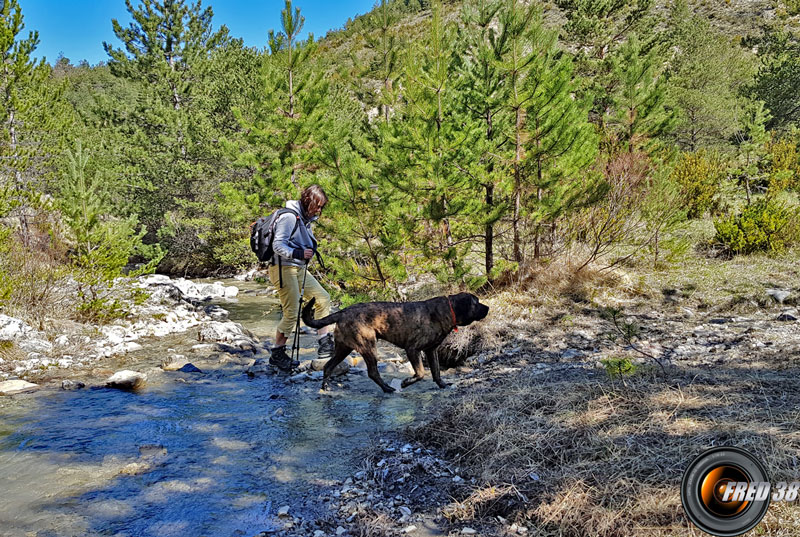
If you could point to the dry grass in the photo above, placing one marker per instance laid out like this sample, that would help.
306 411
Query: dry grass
587 456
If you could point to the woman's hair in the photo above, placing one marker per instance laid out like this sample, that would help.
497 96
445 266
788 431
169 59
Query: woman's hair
313 193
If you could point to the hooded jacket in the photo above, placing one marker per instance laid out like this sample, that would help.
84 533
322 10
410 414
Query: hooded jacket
287 245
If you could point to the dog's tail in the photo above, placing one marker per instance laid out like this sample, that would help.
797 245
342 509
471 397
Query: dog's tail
308 316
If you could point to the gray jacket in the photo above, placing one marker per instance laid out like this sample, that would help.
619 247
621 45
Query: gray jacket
287 245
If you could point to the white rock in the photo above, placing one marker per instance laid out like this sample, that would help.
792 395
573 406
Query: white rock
340 530
10 387
35 345
12 328
61 340
468 531
231 291
409 529
397 384
126 380
283 511
220 331
319 533
174 362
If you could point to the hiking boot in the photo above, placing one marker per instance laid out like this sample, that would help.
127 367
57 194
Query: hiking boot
280 359
325 350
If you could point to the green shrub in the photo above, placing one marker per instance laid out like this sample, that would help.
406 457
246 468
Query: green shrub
763 226
700 177
619 367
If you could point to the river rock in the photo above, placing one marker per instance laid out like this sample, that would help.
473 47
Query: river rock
215 312
35 345
190 368
221 331
11 387
259 367
788 315
340 369
126 380
174 362
12 328
71 385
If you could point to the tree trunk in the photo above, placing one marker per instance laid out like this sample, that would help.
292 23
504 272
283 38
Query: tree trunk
489 232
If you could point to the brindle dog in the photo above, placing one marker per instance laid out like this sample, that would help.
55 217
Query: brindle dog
414 326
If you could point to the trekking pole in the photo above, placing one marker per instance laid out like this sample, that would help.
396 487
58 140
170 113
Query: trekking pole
296 341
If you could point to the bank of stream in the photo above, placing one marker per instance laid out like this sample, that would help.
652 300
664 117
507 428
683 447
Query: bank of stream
215 453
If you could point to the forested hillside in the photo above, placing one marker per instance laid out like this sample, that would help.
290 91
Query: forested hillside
468 140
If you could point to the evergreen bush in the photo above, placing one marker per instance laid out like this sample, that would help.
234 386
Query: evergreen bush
700 176
763 226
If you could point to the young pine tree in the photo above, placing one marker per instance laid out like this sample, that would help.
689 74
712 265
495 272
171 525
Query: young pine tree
170 146
639 115
432 146
288 112
482 83
555 144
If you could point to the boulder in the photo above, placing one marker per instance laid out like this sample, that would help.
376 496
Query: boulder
221 331
13 329
173 362
11 387
190 368
71 385
35 345
126 380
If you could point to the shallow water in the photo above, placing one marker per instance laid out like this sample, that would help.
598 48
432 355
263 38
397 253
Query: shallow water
230 450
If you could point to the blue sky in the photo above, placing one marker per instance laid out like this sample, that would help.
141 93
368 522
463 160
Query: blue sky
77 28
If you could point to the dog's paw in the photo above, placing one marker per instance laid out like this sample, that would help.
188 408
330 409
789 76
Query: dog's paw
443 384
387 389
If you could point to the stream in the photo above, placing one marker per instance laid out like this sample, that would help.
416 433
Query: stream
211 454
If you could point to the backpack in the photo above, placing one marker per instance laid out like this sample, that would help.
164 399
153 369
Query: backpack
262 232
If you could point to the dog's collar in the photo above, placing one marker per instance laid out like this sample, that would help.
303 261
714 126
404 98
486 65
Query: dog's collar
453 313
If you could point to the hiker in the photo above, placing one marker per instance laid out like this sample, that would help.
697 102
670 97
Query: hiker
294 245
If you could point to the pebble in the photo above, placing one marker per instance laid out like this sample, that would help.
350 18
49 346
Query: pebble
283 511
409 529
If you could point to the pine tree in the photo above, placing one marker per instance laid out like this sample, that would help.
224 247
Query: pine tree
377 83
705 74
34 115
171 154
751 139
561 144
523 28
553 141
363 213
483 85
597 29
778 77
638 104
290 108
432 148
